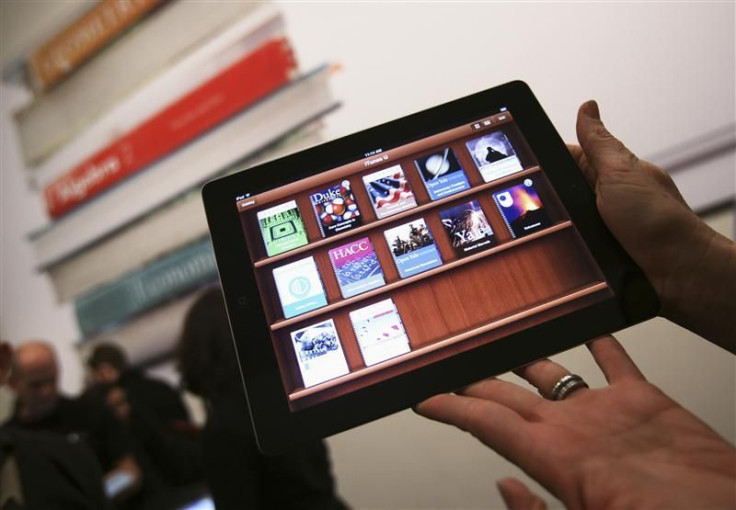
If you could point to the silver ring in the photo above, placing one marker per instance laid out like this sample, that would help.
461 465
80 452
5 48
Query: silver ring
566 386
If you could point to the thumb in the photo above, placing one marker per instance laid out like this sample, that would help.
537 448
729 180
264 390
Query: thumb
517 496
603 151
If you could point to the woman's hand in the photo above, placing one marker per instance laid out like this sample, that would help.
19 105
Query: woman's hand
627 445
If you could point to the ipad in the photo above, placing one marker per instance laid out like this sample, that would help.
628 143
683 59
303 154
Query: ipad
366 274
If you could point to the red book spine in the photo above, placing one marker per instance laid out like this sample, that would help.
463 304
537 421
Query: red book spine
251 78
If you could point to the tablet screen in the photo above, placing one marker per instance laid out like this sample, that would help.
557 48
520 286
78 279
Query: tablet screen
412 254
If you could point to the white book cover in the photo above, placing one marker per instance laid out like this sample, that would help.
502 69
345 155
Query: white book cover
380 332
299 287
319 353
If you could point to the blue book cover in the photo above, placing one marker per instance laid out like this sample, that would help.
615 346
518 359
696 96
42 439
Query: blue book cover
299 287
468 228
107 306
522 209
413 248
356 267
442 174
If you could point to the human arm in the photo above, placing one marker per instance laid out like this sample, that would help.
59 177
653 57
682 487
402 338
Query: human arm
626 445
692 267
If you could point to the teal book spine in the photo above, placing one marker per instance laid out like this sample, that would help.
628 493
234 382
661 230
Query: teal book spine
168 277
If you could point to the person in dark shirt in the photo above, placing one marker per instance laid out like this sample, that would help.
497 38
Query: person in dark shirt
41 471
41 408
239 476
109 365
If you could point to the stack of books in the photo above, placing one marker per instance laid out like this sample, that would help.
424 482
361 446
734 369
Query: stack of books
137 104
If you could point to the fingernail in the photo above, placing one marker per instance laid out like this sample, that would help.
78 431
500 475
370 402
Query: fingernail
590 108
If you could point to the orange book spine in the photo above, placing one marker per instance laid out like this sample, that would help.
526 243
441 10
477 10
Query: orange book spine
77 43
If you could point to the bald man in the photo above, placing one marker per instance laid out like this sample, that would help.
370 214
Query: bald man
40 407
41 471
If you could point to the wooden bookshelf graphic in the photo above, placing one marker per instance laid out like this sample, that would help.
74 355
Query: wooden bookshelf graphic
461 304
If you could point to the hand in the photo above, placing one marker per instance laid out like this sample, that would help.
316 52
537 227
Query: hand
627 445
692 268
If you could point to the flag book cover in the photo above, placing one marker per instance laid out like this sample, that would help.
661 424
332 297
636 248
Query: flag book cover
380 332
389 191
299 287
282 228
336 209
356 267
413 248
494 156
442 174
468 228
522 209
319 353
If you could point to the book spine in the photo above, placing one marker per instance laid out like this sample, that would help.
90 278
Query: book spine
69 49
155 283
241 84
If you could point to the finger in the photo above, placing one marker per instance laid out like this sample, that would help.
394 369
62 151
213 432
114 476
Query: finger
544 375
505 393
613 360
517 496
589 171
602 150
495 425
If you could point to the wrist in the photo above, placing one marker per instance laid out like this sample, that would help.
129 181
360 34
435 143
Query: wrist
697 292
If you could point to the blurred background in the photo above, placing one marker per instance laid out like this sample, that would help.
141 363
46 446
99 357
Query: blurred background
78 247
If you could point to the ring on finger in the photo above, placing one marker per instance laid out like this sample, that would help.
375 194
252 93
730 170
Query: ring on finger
566 386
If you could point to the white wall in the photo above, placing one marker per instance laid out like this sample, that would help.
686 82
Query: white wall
663 73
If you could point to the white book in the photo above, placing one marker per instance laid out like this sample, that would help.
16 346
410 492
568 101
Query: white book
191 166
170 85
158 42
171 225
319 353
380 332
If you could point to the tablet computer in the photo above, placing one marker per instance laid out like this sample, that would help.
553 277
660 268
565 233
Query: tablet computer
366 274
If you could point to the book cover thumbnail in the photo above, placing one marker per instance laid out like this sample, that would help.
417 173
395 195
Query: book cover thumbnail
379 331
494 156
336 209
413 248
522 209
319 353
282 228
389 191
442 174
299 287
356 267
468 228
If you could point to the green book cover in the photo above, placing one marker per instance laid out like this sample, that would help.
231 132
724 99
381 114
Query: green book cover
282 228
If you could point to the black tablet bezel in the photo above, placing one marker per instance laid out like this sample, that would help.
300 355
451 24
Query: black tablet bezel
276 426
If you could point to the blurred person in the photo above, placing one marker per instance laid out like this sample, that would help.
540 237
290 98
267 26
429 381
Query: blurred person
626 445
39 471
168 456
41 408
239 476
108 364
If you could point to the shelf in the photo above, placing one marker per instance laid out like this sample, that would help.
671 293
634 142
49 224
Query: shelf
572 296
390 219
407 281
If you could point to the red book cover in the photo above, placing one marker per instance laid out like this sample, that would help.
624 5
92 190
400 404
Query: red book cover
246 81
